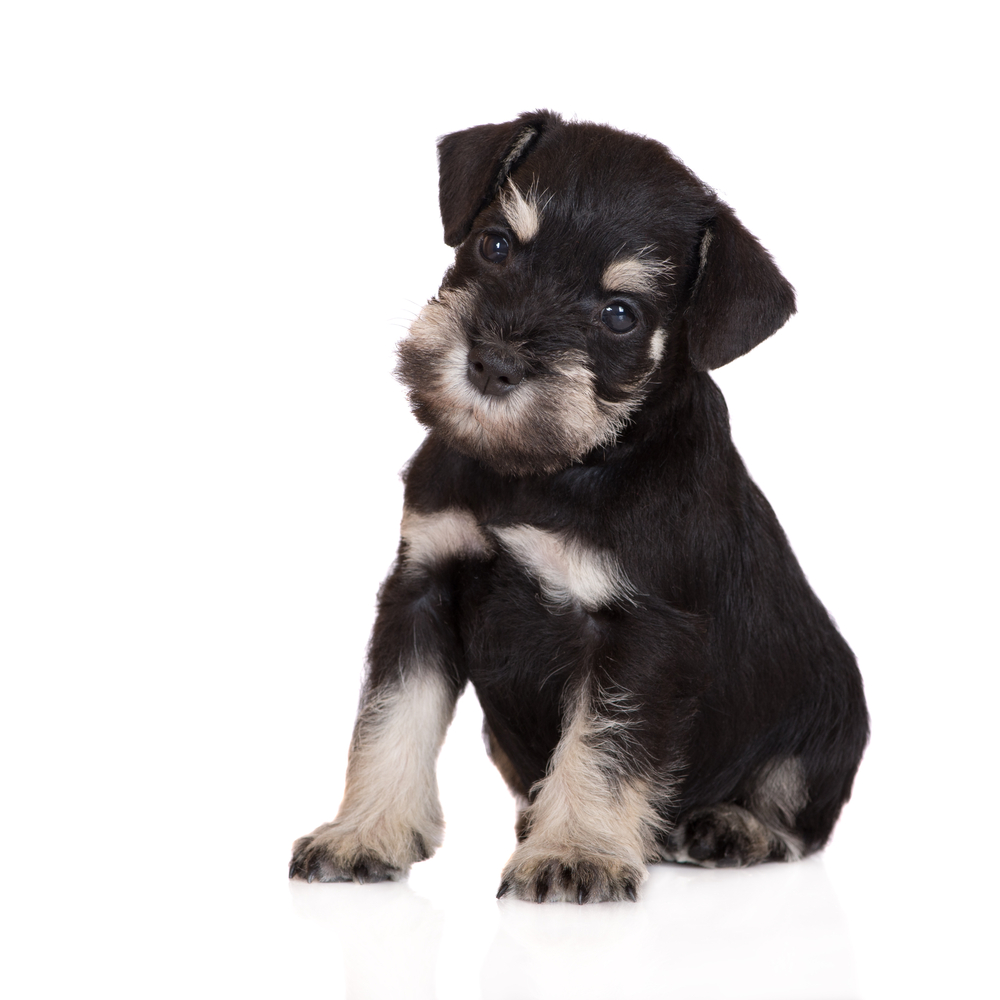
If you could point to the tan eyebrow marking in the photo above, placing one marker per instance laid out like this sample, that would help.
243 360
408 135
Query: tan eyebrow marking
637 274
524 214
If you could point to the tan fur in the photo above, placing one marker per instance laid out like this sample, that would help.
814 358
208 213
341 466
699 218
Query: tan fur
517 149
391 797
446 534
780 794
706 242
656 345
595 420
639 275
581 823
523 213
568 572
564 402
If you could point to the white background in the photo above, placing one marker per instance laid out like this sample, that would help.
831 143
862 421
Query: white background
217 220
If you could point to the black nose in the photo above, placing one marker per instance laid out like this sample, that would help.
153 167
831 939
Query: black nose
493 373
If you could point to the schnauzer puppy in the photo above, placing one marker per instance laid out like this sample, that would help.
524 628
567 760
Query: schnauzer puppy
582 542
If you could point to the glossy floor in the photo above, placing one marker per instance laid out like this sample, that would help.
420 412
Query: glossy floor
183 893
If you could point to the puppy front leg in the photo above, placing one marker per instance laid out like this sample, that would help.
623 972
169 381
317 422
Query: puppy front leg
391 815
591 824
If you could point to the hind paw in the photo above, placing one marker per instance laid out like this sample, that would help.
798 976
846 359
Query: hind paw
724 836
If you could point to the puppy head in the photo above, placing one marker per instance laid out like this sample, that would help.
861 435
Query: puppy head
585 259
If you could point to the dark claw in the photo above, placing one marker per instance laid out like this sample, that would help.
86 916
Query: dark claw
310 877
542 890
504 889
586 883
630 891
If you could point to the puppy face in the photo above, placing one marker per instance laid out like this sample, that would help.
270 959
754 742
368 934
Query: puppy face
572 273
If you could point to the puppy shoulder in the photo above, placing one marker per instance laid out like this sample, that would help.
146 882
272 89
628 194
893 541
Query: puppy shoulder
437 476
442 512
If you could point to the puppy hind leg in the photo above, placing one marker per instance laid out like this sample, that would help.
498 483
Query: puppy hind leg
391 814
728 835
722 836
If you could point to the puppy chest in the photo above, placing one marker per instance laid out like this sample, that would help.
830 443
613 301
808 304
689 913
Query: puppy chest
565 572
566 576
529 598
554 571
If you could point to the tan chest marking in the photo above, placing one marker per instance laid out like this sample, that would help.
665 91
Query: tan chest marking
567 571
432 539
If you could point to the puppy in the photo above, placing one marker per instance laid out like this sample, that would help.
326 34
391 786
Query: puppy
582 542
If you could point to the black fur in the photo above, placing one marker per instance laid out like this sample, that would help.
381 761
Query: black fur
730 697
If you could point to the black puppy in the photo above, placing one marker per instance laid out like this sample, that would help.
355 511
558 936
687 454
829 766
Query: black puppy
581 540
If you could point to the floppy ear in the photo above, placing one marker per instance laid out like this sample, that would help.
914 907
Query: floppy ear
475 163
739 297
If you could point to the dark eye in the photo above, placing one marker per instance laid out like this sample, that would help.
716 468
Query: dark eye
494 248
618 317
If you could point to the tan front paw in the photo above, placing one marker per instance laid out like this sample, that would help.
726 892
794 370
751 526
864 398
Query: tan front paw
573 875
334 853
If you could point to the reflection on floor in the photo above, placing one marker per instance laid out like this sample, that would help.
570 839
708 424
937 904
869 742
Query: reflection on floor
773 931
